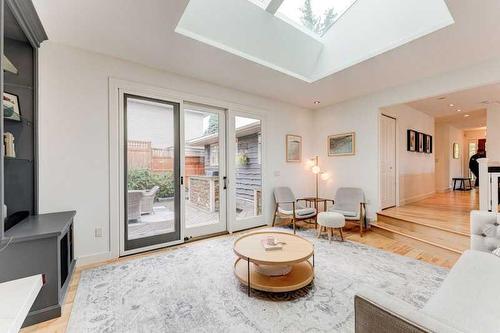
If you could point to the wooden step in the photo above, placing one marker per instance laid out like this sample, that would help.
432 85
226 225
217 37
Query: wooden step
449 239
426 246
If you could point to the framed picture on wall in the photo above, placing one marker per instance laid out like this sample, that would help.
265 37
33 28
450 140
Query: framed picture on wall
420 142
293 148
411 140
11 108
456 151
428 144
342 144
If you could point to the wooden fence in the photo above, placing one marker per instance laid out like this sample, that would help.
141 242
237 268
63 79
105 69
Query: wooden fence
141 155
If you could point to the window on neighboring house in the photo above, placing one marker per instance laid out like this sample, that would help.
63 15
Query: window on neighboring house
259 149
214 154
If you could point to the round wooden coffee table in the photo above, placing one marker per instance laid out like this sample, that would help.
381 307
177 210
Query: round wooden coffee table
295 253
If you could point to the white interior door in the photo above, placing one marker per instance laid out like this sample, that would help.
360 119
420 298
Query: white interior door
388 161
245 171
204 170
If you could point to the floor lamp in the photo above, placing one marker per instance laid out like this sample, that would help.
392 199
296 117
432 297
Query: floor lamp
316 170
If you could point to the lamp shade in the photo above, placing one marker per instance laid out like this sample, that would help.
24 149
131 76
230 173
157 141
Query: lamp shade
315 169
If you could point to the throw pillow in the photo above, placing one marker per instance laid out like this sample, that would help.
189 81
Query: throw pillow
497 252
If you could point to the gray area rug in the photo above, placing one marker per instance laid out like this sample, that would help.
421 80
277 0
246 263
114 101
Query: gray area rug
193 289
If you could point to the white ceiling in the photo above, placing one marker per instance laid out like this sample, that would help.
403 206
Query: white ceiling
143 32
253 33
471 102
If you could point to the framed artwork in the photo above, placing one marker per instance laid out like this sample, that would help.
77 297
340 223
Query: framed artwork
342 144
293 148
411 137
420 142
456 150
11 108
428 144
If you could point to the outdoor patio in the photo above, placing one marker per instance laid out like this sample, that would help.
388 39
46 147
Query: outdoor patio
162 218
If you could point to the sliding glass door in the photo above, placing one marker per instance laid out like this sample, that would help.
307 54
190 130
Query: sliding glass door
152 172
204 170
187 169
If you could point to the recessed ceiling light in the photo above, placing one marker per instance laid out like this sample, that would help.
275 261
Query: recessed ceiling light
317 102
452 105
466 115
459 110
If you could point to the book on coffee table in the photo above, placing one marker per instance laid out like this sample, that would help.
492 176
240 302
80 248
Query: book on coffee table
271 247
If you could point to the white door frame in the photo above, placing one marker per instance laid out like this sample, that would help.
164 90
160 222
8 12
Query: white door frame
116 154
396 156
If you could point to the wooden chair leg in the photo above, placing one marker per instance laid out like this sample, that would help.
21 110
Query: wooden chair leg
329 232
275 213
293 223
319 231
361 228
341 235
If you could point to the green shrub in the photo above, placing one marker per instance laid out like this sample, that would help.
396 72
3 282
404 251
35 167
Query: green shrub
144 179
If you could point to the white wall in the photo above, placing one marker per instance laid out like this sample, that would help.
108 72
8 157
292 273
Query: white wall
415 170
493 135
74 146
441 146
361 115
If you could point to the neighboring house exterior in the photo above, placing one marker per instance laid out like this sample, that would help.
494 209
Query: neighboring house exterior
248 168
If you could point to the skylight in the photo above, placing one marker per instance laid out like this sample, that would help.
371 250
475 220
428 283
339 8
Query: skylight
261 3
316 16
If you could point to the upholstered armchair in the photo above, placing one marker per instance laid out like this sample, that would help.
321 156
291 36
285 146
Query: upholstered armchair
350 202
148 199
287 206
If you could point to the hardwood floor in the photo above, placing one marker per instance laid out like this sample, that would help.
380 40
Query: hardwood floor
370 238
448 210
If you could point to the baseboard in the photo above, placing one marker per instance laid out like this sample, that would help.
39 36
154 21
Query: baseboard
38 316
416 198
94 258
444 190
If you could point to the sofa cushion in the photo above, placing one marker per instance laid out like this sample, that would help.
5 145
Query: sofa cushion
468 297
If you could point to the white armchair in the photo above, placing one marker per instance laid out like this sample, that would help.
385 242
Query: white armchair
350 202
287 206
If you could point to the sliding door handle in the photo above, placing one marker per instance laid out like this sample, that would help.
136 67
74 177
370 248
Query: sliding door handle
225 182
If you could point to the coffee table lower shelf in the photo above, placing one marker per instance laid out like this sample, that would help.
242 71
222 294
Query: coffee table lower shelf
301 275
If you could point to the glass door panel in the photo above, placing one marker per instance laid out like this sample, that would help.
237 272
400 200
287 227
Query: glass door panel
152 170
204 170
247 178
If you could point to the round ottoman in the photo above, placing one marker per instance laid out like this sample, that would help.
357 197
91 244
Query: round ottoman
330 221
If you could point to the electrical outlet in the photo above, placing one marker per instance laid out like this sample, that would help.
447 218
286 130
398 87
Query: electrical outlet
98 232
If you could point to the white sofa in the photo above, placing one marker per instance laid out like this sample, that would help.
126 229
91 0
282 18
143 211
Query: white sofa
485 231
467 301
